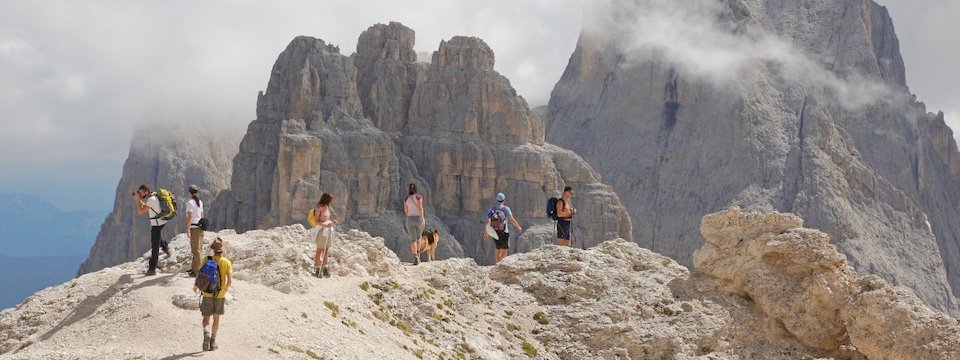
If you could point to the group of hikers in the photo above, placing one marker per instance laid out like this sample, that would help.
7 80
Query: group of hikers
498 219
214 275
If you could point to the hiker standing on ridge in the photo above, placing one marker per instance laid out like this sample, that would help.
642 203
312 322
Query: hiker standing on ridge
152 205
221 268
565 213
194 214
413 209
322 216
497 218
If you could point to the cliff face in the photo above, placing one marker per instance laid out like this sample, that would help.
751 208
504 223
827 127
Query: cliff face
818 122
364 126
161 157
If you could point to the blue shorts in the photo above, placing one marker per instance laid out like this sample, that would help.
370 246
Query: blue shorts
563 229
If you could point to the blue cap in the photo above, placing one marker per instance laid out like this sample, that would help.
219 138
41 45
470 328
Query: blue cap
501 197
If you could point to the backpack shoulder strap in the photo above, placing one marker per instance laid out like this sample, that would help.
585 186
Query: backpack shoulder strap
219 279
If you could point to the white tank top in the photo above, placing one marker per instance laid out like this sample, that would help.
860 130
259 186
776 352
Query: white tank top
412 209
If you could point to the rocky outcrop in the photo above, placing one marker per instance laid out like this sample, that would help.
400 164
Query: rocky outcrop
795 276
364 126
162 157
767 288
812 116
615 300
891 323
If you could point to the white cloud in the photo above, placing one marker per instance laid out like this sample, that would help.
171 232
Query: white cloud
695 36
78 75
96 66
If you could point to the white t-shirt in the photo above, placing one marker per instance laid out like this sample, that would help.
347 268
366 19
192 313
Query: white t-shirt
154 204
195 211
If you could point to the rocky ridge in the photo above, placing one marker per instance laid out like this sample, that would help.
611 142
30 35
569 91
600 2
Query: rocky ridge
167 156
364 126
829 132
766 285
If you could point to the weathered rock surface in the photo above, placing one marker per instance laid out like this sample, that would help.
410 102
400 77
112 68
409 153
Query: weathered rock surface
869 167
891 323
795 276
766 283
364 126
615 300
161 157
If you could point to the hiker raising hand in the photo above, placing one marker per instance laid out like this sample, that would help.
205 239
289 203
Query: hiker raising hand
161 207
497 218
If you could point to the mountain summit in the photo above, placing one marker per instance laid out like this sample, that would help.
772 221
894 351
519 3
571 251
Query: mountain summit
690 107
364 126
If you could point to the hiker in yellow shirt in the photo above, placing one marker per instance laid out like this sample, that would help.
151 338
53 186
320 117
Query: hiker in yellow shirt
213 302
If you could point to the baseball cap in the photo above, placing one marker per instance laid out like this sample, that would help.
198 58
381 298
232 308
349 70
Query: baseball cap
501 197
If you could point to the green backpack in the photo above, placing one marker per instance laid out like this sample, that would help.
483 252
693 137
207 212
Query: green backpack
168 205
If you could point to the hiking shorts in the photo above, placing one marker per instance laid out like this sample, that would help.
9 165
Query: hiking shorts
414 229
563 229
211 306
324 240
503 242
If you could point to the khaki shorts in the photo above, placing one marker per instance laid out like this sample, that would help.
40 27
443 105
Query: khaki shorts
211 306
324 241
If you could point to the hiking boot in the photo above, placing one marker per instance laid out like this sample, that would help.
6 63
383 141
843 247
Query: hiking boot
416 260
207 341
151 272
326 273
316 273
213 344
191 273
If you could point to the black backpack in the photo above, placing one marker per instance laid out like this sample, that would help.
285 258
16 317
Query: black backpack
552 208
203 224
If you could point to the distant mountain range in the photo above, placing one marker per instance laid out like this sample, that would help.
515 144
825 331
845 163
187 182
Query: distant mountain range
32 226
22 276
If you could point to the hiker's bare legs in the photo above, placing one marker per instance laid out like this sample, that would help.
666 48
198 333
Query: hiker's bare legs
216 325
563 242
206 322
415 247
325 251
500 254
316 258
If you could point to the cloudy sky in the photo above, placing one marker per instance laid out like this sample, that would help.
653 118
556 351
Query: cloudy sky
75 76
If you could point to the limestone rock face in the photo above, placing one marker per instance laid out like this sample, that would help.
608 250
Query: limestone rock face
890 323
835 138
161 157
795 276
363 127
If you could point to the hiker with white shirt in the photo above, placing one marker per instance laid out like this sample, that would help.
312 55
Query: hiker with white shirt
160 212
194 215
